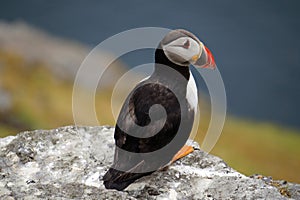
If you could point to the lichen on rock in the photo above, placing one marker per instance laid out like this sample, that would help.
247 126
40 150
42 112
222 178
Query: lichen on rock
69 162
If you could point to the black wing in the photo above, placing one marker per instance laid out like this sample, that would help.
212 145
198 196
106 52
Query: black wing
135 111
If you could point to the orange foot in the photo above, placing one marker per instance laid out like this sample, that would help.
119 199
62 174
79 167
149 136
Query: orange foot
185 150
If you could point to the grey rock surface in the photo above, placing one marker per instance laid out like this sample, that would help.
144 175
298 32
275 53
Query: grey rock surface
69 162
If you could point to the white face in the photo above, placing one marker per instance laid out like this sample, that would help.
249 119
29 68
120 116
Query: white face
183 50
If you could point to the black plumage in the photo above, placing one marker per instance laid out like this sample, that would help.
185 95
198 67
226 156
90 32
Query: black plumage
167 87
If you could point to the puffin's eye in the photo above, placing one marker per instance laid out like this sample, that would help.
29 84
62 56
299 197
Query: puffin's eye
186 45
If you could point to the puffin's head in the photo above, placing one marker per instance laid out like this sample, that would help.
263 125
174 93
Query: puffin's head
184 48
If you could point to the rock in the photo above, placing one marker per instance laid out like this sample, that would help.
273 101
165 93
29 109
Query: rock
69 162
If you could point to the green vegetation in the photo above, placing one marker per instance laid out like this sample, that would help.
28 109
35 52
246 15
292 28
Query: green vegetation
41 101
264 148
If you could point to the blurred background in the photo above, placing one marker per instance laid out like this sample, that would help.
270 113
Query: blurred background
255 43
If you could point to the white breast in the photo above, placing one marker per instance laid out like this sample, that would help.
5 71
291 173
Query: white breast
192 93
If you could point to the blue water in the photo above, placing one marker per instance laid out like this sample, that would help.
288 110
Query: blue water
256 43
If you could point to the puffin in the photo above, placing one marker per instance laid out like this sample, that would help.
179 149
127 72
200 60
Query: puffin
157 117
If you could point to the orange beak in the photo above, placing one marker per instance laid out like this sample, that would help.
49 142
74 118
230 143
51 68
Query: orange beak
206 60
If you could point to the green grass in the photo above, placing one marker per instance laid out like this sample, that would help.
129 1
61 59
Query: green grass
255 147
41 101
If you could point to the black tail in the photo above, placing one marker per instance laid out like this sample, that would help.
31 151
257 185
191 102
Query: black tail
119 180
